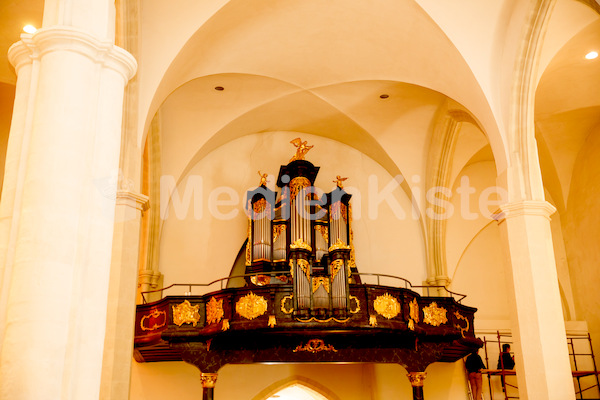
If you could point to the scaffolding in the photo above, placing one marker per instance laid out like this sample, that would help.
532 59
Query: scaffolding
510 391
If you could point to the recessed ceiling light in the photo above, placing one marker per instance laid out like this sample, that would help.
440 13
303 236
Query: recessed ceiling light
219 88
591 55
384 96
29 29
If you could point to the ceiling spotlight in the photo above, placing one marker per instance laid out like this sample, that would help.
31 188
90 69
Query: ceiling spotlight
219 88
591 55
29 29
384 96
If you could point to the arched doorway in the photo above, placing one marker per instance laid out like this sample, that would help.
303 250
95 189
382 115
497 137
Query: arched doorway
297 391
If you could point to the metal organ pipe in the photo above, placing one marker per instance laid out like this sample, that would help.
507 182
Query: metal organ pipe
262 234
338 224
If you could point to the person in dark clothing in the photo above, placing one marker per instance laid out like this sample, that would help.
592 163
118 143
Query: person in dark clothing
474 365
505 361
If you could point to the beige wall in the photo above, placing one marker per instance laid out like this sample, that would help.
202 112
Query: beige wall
582 230
336 382
200 250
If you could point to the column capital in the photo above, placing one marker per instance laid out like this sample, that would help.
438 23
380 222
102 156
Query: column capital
208 379
67 38
132 199
526 207
416 378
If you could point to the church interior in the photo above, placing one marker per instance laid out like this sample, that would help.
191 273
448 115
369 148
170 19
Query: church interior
135 136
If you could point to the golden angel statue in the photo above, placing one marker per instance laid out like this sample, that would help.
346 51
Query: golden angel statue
339 180
263 179
301 149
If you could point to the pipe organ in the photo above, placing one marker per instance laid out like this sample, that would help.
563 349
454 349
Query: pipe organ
308 236
303 300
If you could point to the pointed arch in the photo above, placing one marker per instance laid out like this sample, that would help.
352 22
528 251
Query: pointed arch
305 383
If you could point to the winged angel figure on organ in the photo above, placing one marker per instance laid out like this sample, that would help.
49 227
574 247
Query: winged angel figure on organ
301 149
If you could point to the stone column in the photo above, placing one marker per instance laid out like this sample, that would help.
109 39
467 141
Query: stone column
208 385
59 213
416 381
541 354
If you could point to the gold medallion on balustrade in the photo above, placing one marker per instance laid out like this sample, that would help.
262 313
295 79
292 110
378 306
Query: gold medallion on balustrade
251 306
387 306
434 315
185 313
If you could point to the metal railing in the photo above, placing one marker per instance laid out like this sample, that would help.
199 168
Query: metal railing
440 291
424 288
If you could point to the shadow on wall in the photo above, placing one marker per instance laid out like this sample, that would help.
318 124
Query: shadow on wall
7 99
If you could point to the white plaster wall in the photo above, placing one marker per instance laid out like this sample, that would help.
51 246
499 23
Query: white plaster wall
474 249
387 238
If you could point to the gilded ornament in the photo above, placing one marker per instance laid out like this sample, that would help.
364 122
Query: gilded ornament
318 281
414 310
263 179
387 306
336 266
323 321
283 300
413 314
457 326
339 181
357 301
303 264
324 231
315 346
344 211
214 311
352 262
434 315
154 314
301 149
278 230
260 280
251 306
248 248
300 244
272 321
338 245
416 378
298 184
185 313
208 380
260 206
225 325
373 320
